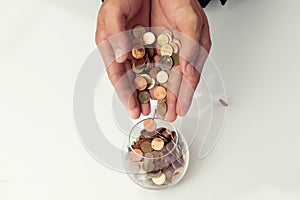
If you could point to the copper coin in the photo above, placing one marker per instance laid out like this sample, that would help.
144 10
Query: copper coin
150 125
163 39
165 62
140 62
159 180
138 31
153 72
149 38
136 155
144 97
157 144
162 77
146 147
166 50
138 52
223 102
159 92
161 108
140 83
175 178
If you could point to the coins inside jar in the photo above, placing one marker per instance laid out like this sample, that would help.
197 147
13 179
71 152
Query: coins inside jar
158 156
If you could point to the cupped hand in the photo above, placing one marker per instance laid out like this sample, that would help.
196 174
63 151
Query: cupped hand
114 18
188 19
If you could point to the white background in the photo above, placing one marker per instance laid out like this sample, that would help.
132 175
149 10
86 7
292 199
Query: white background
42 46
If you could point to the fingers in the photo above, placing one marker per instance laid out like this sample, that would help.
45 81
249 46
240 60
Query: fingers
173 87
113 16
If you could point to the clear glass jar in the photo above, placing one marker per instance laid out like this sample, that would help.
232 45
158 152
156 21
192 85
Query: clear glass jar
156 154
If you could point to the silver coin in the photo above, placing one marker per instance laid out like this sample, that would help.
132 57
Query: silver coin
165 62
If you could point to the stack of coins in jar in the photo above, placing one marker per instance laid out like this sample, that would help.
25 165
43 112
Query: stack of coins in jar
157 154
154 56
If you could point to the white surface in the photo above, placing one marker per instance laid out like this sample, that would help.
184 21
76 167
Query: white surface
43 44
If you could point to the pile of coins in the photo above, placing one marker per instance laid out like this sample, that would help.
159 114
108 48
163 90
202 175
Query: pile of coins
158 157
154 57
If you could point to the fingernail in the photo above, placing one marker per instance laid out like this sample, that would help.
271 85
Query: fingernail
119 54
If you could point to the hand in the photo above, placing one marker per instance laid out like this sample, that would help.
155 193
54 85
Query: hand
188 18
115 17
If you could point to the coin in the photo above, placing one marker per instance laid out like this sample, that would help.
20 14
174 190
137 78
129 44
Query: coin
147 78
138 31
166 49
149 38
159 92
179 170
176 41
159 180
165 62
149 156
161 108
154 71
152 84
223 102
150 125
136 155
148 166
162 39
138 69
140 62
140 83
138 52
175 47
137 42
169 33
146 147
175 58
157 144
144 97
162 77
175 178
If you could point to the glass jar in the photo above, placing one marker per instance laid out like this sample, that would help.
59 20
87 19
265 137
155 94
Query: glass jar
156 154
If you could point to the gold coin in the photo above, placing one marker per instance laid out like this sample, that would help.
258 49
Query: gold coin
166 50
157 144
150 125
144 97
162 39
140 83
138 52
162 77
146 147
149 38
159 180
175 58
159 92
169 33
161 108
138 31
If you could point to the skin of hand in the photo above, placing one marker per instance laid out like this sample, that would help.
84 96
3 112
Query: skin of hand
114 18
188 18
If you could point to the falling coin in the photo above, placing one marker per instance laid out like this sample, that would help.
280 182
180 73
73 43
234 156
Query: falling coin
137 70
162 77
175 47
162 39
152 84
169 33
165 62
159 180
149 38
157 144
147 78
140 83
176 41
159 92
144 97
150 125
166 50
223 102
137 42
161 108
138 52
138 31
